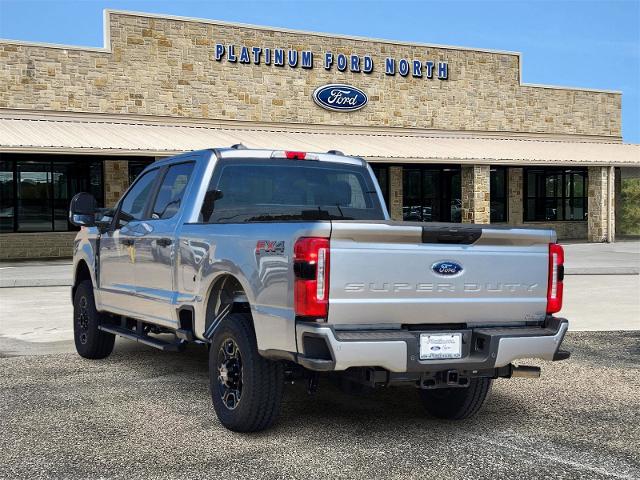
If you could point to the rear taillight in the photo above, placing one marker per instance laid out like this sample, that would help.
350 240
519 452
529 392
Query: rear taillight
311 269
556 276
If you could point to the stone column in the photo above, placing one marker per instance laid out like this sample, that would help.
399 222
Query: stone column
515 189
395 192
116 180
475 194
600 204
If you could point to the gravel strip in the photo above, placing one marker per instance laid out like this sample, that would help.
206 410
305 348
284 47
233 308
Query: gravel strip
147 414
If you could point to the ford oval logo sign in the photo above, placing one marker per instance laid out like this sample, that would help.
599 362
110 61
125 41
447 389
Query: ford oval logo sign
447 268
340 98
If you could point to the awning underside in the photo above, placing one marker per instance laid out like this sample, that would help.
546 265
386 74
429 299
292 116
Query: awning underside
106 137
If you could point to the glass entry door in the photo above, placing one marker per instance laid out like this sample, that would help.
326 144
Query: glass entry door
431 194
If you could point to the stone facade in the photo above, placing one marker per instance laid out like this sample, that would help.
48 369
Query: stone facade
17 246
167 68
515 207
395 193
116 180
475 194
161 66
600 217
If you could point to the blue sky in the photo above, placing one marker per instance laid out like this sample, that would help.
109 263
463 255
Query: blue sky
582 43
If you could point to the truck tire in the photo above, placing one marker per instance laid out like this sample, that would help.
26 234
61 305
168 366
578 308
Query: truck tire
456 403
90 342
246 389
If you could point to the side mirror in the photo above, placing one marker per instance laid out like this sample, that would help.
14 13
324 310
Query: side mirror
82 210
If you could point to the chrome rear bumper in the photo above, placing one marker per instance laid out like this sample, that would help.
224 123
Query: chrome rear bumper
398 350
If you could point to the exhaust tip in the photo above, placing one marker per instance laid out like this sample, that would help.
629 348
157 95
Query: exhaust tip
525 371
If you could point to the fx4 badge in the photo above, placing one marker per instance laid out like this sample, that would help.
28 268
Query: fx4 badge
447 268
269 247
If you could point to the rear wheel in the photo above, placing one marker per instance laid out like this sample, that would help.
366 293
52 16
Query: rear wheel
457 403
246 389
90 342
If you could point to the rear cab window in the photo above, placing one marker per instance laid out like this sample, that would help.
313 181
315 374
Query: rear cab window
276 190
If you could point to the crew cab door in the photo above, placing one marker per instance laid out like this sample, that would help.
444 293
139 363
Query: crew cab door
118 247
157 244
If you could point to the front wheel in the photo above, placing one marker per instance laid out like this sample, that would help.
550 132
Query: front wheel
246 389
457 403
90 341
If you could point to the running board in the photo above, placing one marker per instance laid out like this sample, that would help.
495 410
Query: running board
145 339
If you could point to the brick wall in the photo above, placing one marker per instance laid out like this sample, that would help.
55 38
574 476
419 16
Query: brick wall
167 67
15 246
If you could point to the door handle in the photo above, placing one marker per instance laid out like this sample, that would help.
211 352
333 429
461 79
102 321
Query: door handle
127 241
164 242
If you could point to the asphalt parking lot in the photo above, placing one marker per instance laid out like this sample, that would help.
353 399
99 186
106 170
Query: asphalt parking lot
147 414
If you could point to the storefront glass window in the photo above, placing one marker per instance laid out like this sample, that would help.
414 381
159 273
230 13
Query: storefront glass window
34 197
498 194
382 174
7 197
35 190
431 194
555 194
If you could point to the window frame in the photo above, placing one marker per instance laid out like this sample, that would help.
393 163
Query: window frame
563 197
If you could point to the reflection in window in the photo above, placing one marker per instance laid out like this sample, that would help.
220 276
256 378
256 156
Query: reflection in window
431 194
555 194
171 191
135 201
498 194
35 190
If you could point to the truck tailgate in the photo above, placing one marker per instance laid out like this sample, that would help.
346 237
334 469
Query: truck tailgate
416 273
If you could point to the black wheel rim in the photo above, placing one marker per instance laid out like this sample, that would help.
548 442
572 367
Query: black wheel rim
230 373
82 319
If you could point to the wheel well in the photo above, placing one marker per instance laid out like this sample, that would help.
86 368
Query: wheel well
224 290
82 274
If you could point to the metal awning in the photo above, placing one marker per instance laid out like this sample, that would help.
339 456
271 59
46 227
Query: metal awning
96 135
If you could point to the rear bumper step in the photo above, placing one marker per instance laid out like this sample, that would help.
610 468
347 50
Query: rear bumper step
398 350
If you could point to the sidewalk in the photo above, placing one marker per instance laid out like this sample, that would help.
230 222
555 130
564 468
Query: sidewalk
36 273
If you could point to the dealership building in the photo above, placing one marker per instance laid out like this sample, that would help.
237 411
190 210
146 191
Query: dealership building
453 134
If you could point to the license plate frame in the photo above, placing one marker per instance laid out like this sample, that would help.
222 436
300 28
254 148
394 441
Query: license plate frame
440 346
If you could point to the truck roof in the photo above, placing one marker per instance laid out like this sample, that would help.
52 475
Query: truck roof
240 151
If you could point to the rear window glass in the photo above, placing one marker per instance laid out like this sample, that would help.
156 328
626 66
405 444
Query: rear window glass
289 190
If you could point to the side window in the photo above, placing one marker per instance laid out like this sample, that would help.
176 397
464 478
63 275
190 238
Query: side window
171 191
133 204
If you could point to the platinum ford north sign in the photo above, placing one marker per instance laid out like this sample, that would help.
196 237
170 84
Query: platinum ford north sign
340 98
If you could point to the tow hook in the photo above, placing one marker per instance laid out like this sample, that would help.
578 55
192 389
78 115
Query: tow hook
525 371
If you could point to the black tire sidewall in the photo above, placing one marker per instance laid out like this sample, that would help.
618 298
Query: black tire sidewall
251 413
98 344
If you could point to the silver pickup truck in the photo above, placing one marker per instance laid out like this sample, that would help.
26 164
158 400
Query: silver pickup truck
286 265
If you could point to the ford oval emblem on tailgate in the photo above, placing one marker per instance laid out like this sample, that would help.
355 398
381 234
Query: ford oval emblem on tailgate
447 268
340 98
